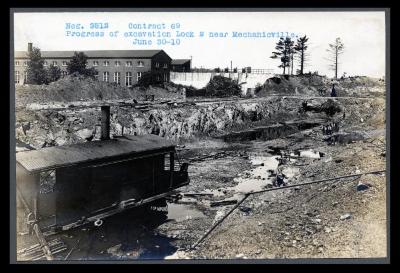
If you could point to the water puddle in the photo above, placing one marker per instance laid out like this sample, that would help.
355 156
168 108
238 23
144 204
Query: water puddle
182 212
180 255
160 249
259 177
307 153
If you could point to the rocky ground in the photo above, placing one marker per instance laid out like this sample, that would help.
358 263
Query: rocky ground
332 220
339 218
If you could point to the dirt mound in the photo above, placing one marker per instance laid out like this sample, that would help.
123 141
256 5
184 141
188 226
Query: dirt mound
292 85
77 88
362 86
316 85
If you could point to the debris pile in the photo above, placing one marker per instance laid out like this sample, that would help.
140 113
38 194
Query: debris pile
220 86
316 85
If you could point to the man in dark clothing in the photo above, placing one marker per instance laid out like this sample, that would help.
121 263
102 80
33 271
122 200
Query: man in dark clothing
333 93
279 180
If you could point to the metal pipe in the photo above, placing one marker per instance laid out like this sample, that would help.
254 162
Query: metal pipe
105 122
220 221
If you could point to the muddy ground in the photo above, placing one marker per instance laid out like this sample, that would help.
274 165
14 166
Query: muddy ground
330 220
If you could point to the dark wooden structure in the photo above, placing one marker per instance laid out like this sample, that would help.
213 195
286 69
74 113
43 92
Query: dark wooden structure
181 65
67 186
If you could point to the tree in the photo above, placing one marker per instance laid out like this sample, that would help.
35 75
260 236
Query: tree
78 64
301 47
149 78
285 52
53 73
36 74
335 49
220 86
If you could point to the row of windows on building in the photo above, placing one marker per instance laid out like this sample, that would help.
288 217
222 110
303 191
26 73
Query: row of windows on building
106 77
25 63
96 63
117 77
17 77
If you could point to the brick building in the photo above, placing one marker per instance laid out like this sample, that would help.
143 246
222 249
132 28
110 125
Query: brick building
124 67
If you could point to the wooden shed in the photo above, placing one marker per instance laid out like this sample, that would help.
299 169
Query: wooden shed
67 186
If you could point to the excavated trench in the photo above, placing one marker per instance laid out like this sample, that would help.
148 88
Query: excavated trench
269 132
150 244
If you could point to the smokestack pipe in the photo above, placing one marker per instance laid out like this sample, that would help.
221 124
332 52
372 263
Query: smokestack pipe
105 122
29 47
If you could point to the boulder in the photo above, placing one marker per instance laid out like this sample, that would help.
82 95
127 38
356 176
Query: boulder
85 134
345 216
362 186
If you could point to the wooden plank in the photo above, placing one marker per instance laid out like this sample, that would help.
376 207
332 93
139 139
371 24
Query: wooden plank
42 240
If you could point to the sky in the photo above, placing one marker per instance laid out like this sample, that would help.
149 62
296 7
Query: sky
363 35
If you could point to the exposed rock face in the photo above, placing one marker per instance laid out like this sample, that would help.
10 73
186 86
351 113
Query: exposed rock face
47 128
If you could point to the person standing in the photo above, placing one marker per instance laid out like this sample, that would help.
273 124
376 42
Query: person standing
333 93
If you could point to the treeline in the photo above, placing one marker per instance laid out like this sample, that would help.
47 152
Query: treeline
288 50
38 74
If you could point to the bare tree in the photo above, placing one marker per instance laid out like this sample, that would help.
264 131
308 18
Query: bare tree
292 53
335 50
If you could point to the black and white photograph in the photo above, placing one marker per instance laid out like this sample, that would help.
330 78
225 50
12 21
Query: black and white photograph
199 135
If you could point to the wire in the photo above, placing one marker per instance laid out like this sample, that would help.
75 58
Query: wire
275 189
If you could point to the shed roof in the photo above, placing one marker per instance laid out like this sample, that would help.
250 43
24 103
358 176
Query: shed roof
62 156
95 54
179 61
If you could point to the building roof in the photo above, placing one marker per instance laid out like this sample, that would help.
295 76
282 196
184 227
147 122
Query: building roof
95 54
179 61
63 156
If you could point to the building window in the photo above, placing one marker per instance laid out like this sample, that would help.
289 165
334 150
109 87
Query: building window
96 75
138 75
54 63
140 63
117 63
95 63
45 63
128 63
25 77
117 77
64 73
158 77
106 63
105 76
157 64
64 63
165 65
128 79
16 63
165 77
16 76
25 63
